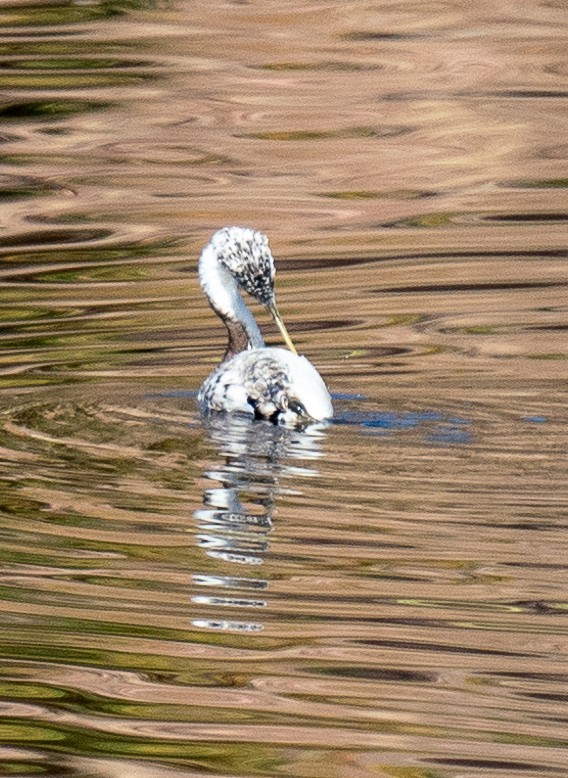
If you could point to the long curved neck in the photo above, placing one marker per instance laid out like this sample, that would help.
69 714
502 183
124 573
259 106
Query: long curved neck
222 292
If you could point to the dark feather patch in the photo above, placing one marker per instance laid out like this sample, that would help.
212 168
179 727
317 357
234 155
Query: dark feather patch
246 255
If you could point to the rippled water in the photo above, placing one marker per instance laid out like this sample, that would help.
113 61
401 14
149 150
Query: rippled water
382 596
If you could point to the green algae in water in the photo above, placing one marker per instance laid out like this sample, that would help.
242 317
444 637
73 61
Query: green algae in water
49 109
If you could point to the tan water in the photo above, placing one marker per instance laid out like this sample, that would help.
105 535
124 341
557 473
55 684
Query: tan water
381 597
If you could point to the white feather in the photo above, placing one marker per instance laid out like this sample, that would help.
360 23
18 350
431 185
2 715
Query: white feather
222 292
269 382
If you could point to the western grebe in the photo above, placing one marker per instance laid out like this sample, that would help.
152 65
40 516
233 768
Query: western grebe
255 379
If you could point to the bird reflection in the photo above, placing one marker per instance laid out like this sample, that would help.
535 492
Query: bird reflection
236 519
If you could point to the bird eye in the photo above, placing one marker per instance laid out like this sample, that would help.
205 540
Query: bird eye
297 407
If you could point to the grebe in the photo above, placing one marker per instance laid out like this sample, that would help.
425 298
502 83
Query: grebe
254 379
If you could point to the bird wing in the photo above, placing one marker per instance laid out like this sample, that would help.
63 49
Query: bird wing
252 382
270 383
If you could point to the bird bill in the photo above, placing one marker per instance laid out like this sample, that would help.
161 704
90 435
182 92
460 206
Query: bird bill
280 324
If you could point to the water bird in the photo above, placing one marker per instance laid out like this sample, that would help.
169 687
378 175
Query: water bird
255 379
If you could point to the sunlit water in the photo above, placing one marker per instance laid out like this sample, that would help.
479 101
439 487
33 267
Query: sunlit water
381 596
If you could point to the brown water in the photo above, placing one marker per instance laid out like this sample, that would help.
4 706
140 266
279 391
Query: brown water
385 596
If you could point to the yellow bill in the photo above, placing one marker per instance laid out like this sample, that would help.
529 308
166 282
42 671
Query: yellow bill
280 324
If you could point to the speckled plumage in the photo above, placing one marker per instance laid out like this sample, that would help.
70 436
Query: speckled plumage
260 381
268 383
246 255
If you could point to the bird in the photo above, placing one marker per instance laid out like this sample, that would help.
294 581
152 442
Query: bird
263 382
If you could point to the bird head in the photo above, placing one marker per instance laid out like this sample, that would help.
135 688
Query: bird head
245 253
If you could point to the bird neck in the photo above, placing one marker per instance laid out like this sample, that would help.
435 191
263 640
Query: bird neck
223 294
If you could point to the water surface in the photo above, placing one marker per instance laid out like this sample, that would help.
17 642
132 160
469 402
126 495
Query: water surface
381 596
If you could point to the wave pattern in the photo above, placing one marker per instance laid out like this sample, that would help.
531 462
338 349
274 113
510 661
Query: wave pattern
308 610
383 596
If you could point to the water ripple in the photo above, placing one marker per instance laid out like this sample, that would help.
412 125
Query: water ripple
382 594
